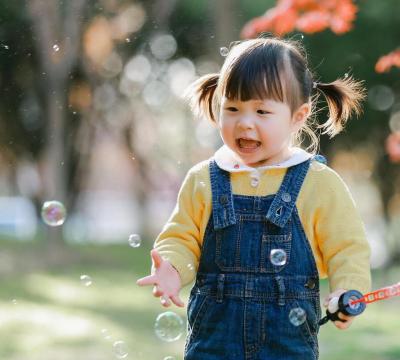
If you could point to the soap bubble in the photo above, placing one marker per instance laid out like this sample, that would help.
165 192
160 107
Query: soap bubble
169 358
53 213
56 47
134 240
106 334
169 326
297 316
224 51
278 257
86 280
120 350
191 267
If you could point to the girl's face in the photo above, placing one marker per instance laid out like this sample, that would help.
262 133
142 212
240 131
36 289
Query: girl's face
259 131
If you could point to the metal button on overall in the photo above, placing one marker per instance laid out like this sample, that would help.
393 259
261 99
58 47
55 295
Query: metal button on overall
286 197
310 284
223 199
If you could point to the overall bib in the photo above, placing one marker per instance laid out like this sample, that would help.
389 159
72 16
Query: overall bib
240 303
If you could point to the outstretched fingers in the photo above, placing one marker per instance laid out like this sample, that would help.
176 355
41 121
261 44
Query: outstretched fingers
147 280
177 301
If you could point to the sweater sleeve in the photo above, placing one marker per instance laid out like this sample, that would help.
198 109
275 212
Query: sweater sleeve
340 234
179 240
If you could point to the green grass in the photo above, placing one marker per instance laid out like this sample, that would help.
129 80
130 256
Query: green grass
54 316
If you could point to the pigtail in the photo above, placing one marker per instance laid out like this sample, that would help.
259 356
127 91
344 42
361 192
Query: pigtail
344 97
200 95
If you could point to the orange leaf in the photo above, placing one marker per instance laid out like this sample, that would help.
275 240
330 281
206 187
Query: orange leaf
385 63
393 146
313 21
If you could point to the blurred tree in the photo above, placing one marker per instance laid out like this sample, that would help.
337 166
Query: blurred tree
200 29
57 30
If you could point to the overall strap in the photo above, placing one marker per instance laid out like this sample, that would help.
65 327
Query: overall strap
222 199
285 199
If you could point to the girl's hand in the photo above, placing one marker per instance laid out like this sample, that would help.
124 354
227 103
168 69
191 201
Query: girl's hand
349 319
166 281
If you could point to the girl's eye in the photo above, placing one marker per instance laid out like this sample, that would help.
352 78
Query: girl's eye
231 108
263 112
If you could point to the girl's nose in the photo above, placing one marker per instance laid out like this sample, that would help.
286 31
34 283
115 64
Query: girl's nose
246 123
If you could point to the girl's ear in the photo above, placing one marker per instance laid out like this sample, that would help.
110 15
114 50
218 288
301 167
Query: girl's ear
300 116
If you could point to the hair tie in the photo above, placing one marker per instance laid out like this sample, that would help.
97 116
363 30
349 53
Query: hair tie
314 85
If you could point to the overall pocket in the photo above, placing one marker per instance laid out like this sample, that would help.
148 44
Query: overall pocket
238 247
196 309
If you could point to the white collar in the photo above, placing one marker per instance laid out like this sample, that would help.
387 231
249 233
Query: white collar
227 160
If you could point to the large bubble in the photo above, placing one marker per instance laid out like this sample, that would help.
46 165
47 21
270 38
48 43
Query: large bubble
169 326
297 316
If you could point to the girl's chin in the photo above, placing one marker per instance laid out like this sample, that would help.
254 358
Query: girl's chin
249 160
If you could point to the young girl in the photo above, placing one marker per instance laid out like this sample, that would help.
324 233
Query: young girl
260 222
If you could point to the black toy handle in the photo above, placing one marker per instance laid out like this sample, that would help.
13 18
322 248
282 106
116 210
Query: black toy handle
345 307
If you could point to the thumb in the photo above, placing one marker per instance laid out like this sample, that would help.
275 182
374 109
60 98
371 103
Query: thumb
157 259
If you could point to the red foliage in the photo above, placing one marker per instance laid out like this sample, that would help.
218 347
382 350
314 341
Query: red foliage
309 16
385 62
393 146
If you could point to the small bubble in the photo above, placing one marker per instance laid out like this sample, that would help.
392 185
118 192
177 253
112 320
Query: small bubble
14 301
278 257
5 46
56 47
134 240
169 326
346 75
106 334
53 213
297 316
169 358
302 36
120 350
202 183
86 280
224 51
128 40
190 267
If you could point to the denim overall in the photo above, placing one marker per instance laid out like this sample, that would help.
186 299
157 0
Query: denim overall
240 303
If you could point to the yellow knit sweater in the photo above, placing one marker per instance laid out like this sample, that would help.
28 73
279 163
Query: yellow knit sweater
327 212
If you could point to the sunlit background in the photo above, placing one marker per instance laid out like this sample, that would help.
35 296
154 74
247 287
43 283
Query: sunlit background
95 141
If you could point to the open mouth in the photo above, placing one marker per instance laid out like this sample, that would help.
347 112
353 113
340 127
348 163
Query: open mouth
247 144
